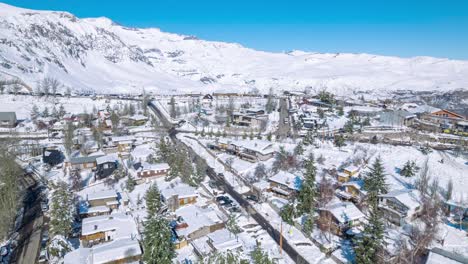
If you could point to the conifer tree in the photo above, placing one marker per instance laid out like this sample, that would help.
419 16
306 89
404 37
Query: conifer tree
157 242
308 192
408 169
374 181
131 183
258 256
173 112
370 243
153 200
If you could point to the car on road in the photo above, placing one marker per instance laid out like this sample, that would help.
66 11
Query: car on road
44 207
44 256
252 198
45 238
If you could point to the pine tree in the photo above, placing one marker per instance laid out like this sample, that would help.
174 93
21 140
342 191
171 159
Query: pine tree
339 141
45 113
269 136
407 170
258 256
34 112
370 243
340 111
153 200
299 149
308 224
131 183
232 225
173 112
270 104
61 210
374 181
157 242
288 213
68 138
306 197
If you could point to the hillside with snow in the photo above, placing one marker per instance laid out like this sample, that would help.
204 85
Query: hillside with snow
96 54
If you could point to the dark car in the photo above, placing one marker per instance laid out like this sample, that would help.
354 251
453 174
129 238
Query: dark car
252 198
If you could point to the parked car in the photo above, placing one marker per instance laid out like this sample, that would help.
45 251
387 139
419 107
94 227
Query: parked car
44 207
45 238
44 256
252 198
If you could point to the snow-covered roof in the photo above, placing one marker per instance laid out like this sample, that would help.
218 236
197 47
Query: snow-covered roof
440 256
156 166
102 195
409 198
423 109
345 212
81 160
105 253
123 138
285 178
107 158
123 225
351 168
196 218
181 189
223 240
94 209
141 152
261 146
138 117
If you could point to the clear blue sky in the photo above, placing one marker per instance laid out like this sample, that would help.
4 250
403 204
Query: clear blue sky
389 27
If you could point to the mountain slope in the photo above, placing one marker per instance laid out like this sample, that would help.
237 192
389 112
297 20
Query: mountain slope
97 54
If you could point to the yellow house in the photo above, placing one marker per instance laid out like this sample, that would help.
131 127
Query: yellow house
343 177
351 170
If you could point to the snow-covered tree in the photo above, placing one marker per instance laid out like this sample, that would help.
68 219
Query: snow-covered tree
173 111
232 225
306 198
157 242
369 245
61 210
130 184
374 181
409 169
153 200
258 256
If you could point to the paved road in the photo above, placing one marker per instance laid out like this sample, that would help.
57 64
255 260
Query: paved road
284 129
31 229
234 194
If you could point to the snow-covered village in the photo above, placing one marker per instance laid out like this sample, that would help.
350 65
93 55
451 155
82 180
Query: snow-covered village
270 173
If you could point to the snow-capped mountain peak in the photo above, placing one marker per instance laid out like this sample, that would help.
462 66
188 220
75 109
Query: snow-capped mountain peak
98 54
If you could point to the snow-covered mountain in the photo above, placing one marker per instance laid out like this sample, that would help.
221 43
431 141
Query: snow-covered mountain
97 54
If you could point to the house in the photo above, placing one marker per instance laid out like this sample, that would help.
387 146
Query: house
103 114
8 119
193 222
400 206
365 111
352 190
351 170
106 165
125 250
255 111
178 194
134 120
52 156
146 171
285 184
462 126
444 118
100 229
343 215
254 150
222 240
441 256
86 211
103 198
141 153
124 143
343 177
396 118
79 163
245 120
207 100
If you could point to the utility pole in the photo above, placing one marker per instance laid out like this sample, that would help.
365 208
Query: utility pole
281 238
